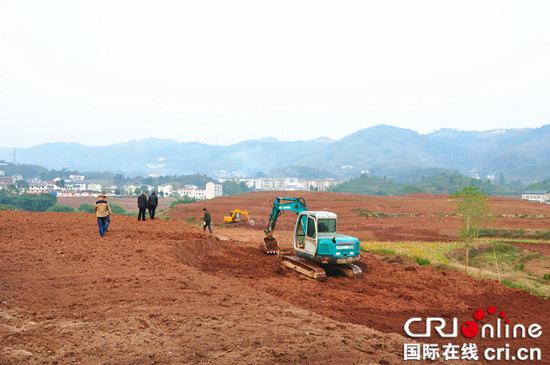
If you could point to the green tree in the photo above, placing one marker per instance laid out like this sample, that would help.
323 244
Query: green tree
22 184
234 188
409 189
36 203
119 179
183 200
60 183
86 208
12 188
117 209
473 208
58 208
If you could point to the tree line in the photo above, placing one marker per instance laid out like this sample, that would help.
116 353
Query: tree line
46 203
443 183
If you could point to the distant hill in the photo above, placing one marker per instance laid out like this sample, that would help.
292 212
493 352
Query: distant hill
515 154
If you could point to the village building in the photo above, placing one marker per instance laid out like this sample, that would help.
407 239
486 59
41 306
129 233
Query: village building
38 187
94 187
166 190
213 190
539 196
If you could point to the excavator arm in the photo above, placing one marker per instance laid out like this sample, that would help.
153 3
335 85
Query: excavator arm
279 206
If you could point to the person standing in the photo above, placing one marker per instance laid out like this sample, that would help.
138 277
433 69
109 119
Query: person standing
207 220
142 205
152 203
102 210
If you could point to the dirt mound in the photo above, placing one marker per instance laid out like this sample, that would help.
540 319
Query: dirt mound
198 250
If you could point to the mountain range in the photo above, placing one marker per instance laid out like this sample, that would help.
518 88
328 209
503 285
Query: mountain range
383 150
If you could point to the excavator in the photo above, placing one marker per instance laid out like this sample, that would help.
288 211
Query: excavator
316 245
236 216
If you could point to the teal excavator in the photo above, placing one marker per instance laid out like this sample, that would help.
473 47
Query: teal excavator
316 245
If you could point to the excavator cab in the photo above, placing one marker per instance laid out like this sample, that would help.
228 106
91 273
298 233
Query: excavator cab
305 234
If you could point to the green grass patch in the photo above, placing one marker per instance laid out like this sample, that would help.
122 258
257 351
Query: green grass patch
432 252
190 219
422 261
514 233
386 251
510 284
371 213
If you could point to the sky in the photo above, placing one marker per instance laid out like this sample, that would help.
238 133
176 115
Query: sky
220 72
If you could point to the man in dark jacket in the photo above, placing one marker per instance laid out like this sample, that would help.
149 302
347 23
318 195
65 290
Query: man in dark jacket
152 203
142 205
207 220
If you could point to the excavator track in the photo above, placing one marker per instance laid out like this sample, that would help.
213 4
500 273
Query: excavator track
350 270
304 267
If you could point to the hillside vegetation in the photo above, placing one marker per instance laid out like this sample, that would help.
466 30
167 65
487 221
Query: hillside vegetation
383 150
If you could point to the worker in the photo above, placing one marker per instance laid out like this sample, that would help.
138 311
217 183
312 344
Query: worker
142 205
207 220
152 203
102 210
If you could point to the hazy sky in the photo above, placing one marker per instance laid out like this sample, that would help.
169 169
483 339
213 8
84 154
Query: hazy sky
220 72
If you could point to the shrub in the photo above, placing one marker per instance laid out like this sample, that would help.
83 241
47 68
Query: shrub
117 209
7 207
422 261
86 208
183 200
58 208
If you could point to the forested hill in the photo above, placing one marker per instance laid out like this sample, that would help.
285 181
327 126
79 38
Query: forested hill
405 155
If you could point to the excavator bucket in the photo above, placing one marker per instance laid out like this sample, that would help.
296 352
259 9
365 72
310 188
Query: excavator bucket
270 246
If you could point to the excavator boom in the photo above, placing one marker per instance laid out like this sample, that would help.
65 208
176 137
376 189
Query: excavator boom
279 206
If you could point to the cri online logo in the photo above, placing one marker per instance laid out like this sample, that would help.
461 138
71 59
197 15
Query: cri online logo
470 329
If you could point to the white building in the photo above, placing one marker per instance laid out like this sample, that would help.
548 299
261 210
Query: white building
94 187
39 187
192 191
75 186
319 184
274 183
130 189
213 190
539 196
166 190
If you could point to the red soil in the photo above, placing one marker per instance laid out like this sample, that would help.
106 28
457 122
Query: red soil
163 291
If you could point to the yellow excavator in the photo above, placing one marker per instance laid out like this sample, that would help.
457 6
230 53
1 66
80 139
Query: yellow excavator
238 216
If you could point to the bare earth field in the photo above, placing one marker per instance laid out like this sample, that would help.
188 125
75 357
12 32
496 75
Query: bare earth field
165 292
